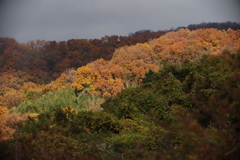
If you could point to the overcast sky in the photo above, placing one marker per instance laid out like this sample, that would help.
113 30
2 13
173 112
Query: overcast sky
59 20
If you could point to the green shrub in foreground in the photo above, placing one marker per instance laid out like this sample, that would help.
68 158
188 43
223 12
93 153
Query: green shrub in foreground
53 100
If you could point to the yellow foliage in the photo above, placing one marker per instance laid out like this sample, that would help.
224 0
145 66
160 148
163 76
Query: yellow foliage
32 115
61 83
30 86
68 111
50 87
3 110
85 77
1 98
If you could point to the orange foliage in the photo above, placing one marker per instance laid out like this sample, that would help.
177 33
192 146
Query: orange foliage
191 45
8 122
127 67
12 99
3 112
9 81
109 87
65 80
129 64
111 77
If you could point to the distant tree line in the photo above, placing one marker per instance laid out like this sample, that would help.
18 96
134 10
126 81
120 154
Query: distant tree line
42 61
216 25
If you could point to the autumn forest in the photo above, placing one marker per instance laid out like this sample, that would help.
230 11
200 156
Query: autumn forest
171 94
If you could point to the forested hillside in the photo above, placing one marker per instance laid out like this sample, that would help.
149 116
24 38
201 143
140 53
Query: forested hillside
50 58
150 95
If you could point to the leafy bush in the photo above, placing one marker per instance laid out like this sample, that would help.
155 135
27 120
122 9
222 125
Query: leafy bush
53 100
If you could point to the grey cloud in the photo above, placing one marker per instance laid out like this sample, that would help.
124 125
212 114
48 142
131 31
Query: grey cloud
59 20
